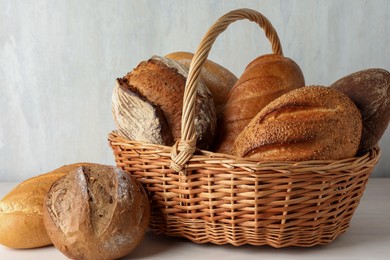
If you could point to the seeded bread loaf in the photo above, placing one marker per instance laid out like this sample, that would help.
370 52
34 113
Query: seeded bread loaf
309 123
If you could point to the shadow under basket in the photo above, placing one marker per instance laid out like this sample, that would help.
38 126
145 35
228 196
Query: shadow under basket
223 199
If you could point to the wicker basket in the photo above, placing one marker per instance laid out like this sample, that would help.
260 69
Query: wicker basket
218 198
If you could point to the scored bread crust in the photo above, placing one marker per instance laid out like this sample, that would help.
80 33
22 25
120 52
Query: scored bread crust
21 210
161 81
310 123
138 119
264 79
96 212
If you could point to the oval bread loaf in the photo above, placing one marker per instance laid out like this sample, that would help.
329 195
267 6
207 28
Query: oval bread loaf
264 79
96 212
310 123
21 221
370 91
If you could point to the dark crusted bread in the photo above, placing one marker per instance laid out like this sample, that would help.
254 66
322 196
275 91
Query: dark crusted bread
370 91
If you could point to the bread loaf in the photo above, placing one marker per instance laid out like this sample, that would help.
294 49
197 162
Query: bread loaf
264 79
310 123
21 222
138 119
370 91
96 212
217 78
160 83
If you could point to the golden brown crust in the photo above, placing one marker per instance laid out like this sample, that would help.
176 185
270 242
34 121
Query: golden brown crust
96 212
162 86
309 123
217 78
21 210
162 81
264 79
136 118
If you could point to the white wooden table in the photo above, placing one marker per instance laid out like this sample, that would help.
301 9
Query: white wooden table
368 237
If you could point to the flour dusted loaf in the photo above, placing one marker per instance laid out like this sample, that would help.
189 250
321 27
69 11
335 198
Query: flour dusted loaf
21 221
264 79
370 90
310 123
218 79
96 212
147 104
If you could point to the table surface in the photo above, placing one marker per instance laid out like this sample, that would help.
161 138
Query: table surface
368 237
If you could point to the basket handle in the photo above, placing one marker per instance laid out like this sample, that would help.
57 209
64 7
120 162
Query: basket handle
184 148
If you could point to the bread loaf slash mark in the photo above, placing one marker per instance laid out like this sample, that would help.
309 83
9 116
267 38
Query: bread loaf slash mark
291 111
102 193
137 118
60 201
292 147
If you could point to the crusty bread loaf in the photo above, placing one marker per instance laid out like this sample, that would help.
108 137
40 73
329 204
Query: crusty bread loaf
138 119
161 82
370 90
310 123
96 212
21 222
264 79
217 78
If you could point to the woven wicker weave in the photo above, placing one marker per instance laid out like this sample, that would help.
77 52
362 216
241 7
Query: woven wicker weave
219 198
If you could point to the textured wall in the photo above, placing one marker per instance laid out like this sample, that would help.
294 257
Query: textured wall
59 60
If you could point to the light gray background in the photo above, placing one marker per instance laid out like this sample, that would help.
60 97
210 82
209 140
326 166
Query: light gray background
59 61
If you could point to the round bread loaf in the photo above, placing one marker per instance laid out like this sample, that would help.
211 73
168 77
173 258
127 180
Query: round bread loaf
217 78
264 79
96 212
159 83
370 91
21 221
310 123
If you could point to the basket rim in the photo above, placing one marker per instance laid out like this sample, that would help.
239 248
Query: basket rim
247 165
